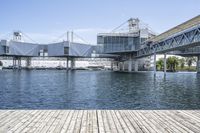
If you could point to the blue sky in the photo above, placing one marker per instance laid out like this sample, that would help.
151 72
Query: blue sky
45 20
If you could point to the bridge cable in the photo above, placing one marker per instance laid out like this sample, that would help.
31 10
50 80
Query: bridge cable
119 26
58 38
29 38
81 38
5 36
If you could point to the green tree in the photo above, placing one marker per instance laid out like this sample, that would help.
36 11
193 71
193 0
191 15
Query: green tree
190 61
172 63
160 64
182 62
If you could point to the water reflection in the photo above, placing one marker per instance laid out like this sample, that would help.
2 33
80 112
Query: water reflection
98 90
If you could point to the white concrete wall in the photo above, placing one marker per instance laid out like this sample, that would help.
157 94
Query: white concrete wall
46 63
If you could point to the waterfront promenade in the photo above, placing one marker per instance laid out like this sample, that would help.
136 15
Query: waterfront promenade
129 121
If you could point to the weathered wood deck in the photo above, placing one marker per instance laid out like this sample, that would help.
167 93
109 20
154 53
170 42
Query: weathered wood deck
129 121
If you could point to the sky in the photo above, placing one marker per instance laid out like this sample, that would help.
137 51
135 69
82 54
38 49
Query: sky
45 20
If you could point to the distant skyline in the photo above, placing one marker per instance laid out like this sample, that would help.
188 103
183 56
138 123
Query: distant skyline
45 20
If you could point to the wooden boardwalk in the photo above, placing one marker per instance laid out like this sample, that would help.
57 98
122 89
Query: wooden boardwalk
112 121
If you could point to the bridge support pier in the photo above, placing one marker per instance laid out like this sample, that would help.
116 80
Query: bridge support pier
118 66
123 66
72 63
28 62
14 62
135 65
17 62
130 64
67 64
154 60
111 65
165 64
198 64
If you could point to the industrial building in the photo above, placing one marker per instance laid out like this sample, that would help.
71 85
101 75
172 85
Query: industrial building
126 44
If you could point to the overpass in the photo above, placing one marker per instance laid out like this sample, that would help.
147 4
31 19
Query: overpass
178 40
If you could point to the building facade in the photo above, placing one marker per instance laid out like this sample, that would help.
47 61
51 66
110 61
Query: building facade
126 44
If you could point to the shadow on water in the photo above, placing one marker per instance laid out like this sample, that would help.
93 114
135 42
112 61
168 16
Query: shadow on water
59 89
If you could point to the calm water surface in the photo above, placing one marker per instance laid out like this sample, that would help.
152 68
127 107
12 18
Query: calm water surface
98 90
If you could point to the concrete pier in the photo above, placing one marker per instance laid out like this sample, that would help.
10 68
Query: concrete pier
123 66
135 65
67 64
73 63
154 63
28 62
112 65
165 63
14 62
17 62
130 62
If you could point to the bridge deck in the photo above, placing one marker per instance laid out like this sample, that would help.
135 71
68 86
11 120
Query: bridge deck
131 121
186 25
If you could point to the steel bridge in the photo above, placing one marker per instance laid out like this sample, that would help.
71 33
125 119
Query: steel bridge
183 40
179 41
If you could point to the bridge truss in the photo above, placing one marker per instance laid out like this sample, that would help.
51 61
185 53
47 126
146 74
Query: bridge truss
185 39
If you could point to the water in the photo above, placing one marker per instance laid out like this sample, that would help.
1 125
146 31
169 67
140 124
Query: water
98 90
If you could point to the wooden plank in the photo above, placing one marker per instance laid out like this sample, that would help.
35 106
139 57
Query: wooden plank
62 121
133 122
78 123
149 123
44 121
55 122
128 124
73 122
37 124
123 123
31 122
162 122
8 116
67 122
101 121
94 122
49 121
184 122
15 123
139 122
105 122
90 121
116 121
111 122
11 120
178 126
31 116
84 122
